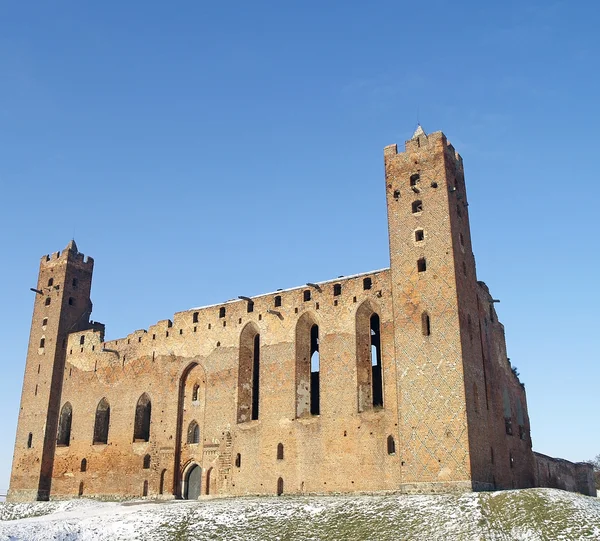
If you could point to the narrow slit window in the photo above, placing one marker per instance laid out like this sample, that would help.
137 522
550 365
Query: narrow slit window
422 265
42 342
279 486
376 371
337 290
417 206
238 460
195 392
426 324
146 462
315 369
256 377
81 340
280 451
419 235
29 440
195 317
51 282
71 301
83 467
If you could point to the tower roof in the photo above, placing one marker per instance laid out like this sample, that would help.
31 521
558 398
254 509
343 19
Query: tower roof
419 131
72 247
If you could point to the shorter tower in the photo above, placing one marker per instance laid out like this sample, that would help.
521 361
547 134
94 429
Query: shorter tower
62 305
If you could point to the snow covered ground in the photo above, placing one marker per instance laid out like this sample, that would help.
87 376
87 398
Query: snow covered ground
536 514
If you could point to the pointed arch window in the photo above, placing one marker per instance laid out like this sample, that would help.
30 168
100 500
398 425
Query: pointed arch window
193 435
102 422
64 426
143 414
249 374
195 392
280 451
391 445
368 358
83 467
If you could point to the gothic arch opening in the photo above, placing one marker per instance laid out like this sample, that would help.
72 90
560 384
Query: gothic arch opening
308 366
248 374
143 414
369 370
193 435
64 426
192 482
102 422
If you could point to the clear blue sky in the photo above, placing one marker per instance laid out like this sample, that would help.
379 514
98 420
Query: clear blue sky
204 150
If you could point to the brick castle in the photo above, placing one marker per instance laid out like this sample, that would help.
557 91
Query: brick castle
391 380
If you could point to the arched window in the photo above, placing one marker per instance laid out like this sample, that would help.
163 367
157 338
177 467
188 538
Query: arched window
279 486
249 374
277 301
195 392
83 465
143 413
146 462
193 435
315 371
102 422
368 358
48 301
391 445
42 343
64 426
50 282
280 451
208 476
417 206
29 440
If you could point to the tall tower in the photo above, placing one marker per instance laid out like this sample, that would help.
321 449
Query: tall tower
62 305
432 272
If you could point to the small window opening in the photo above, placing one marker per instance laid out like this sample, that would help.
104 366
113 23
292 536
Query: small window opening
280 451
421 265
44 322
391 445
102 422
256 378
75 282
238 460
195 392
51 282
146 462
307 295
277 301
81 340
48 301
425 324
367 283
279 486
42 342
396 194
195 317
337 290
419 235
71 301
80 489
29 440
145 489
222 311
417 206
83 465
250 307
36 390
414 179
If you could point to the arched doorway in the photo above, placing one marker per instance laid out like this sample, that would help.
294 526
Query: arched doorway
193 480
